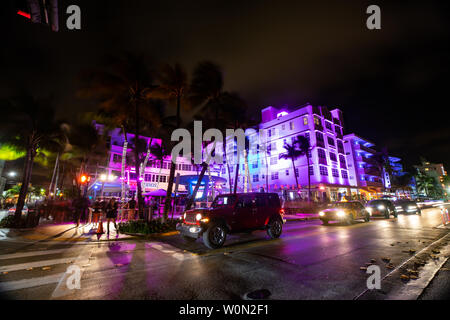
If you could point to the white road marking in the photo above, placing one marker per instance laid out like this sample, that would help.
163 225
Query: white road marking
29 283
82 260
34 253
174 252
37 264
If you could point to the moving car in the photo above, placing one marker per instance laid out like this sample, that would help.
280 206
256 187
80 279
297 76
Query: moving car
233 213
12 210
407 206
347 212
381 207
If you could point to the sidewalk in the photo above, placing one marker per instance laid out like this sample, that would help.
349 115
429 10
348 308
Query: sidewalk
63 232
301 217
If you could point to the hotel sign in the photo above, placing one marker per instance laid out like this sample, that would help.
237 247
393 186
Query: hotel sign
149 185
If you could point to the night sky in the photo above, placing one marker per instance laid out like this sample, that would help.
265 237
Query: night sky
391 84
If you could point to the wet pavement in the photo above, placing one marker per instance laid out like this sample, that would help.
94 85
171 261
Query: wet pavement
309 261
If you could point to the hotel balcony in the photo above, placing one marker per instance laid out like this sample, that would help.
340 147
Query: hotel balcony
363 148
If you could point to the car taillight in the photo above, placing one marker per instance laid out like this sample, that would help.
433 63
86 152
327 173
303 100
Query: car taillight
282 212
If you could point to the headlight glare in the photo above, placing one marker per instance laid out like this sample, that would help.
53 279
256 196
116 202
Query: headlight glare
341 213
198 216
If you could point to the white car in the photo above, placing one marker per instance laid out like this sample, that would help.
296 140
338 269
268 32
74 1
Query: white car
12 210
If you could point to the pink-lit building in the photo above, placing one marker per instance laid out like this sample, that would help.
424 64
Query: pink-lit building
329 170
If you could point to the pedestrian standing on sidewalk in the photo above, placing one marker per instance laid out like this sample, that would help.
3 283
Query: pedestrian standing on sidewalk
111 214
96 213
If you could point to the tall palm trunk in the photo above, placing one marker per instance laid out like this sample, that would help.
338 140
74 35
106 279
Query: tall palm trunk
172 167
122 169
137 162
197 186
296 179
309 178
147 156
28 167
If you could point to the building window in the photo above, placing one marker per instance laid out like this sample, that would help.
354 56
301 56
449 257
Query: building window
340 147
319 138
255 178
344 174
255 165
231 169
305 120
333 157
316 121
147 177
132 176
287 172
362 178
117 158
293 139
342 162
283 127
274 176
291 125
307 137
243 167
331 142
335 172
328 125
323 171
224 170
273 160
311 170
296 172
322 156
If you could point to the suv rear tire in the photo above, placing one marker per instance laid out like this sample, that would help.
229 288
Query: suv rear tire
214 237
367 217
325 222
275 228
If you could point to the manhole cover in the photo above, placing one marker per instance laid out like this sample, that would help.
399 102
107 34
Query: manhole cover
257 295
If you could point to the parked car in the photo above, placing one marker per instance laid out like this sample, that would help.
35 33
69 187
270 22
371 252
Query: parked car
407 206
12 210
348 212
233 213
381 207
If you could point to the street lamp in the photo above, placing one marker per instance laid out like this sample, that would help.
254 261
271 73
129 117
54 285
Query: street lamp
12 174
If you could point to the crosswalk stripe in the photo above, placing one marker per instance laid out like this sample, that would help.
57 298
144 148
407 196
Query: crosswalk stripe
37 264
34 253
175 252
29 283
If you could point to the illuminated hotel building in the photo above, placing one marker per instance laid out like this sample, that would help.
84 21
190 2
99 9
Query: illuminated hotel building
329 169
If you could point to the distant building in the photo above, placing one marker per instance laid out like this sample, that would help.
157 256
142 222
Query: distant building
434 170
107 178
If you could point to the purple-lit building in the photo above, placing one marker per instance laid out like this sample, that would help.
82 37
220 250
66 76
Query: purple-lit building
329 170
107 177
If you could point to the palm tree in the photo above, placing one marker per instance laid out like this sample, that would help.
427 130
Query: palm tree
305 150
292 153
29 124
123 89
173 85
424 183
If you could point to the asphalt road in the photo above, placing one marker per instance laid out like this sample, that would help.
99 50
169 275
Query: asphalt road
309 261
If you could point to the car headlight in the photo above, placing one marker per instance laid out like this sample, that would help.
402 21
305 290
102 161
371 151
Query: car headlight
380 207
198 217
369 209
321 213
411 207
184 216
341 214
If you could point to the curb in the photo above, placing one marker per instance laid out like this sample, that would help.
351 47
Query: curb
152 235
302 219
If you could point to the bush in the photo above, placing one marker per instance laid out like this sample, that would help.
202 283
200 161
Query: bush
148 227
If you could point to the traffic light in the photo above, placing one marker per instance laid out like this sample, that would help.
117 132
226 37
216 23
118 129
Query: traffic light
84 178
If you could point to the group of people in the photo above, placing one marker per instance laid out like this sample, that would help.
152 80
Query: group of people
110 207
